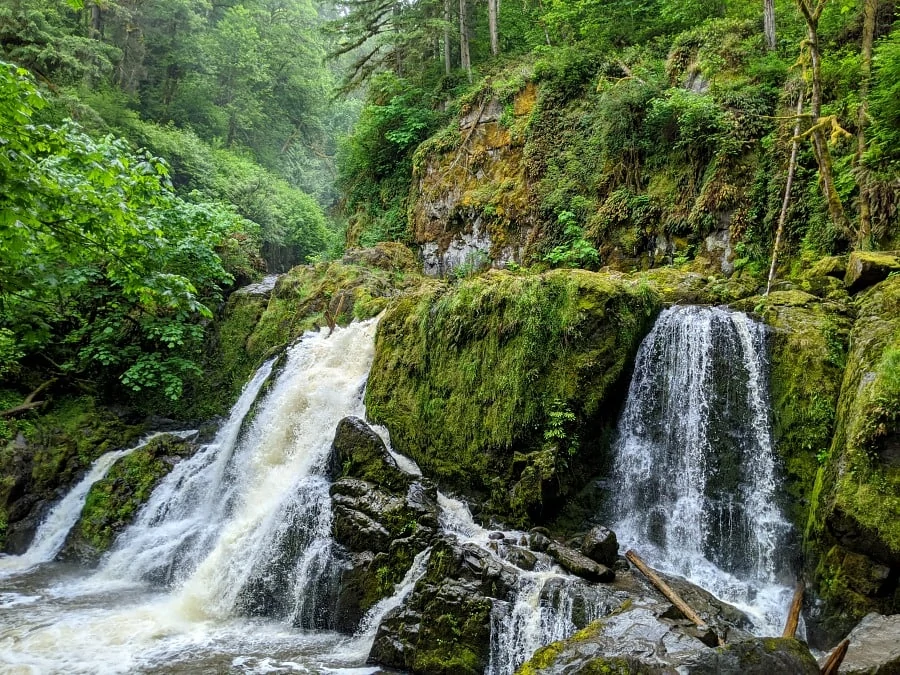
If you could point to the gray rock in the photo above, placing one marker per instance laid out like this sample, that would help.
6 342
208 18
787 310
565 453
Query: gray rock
538 541
580 565
874 646
600 545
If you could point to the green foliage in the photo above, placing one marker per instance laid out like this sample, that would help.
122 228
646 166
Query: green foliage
575 251
375 162
105 272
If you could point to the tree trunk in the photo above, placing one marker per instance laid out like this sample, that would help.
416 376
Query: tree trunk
769 24
464 59
864 233
96 21
447 64
493 15
785 203
820 142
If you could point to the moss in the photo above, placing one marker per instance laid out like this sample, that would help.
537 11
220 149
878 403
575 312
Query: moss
470 378
308 297
113 501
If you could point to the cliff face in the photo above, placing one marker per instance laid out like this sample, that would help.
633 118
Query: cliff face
473 202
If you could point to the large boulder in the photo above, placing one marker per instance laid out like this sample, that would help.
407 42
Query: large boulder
638 640
874 647
504 386
444 628
855 518
382 518
600 545
582 566
867 268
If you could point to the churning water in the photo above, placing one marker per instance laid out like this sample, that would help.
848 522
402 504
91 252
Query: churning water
230 557
695 478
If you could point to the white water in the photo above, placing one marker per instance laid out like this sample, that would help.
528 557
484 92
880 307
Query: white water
217 541
52 532
695 466
531 618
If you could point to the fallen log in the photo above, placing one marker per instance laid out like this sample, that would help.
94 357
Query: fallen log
793 617
667 591
29 403
835 658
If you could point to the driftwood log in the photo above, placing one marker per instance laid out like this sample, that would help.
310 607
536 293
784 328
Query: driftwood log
835 658
667 591
793 617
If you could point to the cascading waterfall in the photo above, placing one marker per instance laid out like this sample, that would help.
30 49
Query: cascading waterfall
694 476
52 532
247 528
543 603
241 529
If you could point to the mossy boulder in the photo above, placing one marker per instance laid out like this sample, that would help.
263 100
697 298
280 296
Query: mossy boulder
855 521
382 518
47 454
254 326
506 385
114 501
444 628
866 268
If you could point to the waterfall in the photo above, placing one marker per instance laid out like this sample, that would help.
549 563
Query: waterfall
52 532
245 526
542 606
695 484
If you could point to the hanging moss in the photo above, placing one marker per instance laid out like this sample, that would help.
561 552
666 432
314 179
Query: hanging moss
502 384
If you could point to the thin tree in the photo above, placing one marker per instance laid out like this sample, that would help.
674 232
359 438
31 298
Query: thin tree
811 15
448 66
864 232
493 16
769 24
785 203
464 58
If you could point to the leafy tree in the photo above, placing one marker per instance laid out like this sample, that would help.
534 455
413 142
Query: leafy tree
103 270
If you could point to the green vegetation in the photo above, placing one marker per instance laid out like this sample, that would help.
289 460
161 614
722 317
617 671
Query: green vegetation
482 382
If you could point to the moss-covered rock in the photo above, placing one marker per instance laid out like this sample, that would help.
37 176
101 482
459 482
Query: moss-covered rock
47 453
866 268
855 523
505 384
113 501
383 517
808 354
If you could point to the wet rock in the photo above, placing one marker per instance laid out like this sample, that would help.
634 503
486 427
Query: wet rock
867 268
445 625
580 565
637 640
358 452
497 536
538 541
114 501
262 288
382 518
521 558
757 656
600 545
874 646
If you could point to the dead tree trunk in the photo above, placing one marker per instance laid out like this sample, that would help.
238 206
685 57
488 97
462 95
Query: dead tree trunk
785 203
